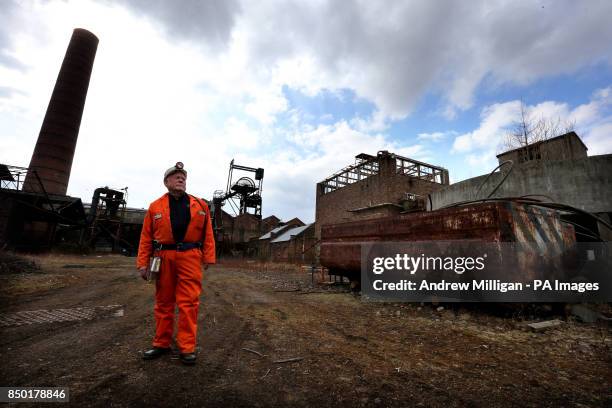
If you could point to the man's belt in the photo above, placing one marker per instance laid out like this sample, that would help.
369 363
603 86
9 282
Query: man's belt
179 246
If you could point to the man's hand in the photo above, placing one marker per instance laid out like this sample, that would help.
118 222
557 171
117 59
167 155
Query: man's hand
143 272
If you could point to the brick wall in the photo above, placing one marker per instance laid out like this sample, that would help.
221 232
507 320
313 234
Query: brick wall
246 226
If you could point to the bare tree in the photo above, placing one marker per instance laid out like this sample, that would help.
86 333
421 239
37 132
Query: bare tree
529 130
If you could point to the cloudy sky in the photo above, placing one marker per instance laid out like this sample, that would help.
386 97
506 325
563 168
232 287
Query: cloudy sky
301 87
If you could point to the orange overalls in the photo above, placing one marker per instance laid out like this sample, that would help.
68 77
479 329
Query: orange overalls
180 277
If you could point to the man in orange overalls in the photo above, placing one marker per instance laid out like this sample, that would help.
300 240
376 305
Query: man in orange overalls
178 229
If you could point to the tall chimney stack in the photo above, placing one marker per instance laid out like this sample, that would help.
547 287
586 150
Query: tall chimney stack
54 151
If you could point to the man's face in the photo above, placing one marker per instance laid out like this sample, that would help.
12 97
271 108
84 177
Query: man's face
176 182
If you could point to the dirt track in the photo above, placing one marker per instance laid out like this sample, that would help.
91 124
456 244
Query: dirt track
354 353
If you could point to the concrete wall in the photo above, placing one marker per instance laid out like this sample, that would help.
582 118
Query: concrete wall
564 147
583 183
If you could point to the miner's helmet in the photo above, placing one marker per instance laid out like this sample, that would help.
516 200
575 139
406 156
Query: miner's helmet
178 167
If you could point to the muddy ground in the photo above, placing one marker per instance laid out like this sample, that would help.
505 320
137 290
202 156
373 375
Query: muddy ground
353 353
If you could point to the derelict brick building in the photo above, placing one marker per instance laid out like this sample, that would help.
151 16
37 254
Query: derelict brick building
374 187
563 147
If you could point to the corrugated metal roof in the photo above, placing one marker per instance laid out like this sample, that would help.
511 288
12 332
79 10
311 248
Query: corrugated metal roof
268 235
286 236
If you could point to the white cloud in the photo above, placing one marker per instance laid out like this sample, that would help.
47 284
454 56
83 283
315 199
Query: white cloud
208 22
550 110
266 105
594 122
435 136
599 138
392 53
238 134
494 120
484 161
376 122
340 142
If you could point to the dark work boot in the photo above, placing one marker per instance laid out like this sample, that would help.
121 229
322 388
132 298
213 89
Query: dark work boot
188 358
155 352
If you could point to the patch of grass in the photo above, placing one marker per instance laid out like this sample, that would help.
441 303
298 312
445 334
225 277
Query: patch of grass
11 263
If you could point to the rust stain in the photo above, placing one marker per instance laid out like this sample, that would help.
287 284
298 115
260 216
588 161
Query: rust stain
486 222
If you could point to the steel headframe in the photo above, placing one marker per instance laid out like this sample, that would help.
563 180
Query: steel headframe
248 197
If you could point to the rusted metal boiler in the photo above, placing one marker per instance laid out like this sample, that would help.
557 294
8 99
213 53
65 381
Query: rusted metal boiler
488 222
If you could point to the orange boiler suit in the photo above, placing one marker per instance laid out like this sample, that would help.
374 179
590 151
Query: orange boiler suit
180 276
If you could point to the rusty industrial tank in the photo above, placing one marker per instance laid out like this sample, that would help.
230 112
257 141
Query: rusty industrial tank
489 222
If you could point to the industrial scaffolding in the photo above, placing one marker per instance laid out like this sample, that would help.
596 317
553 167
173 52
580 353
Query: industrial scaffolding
420 170
367 165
